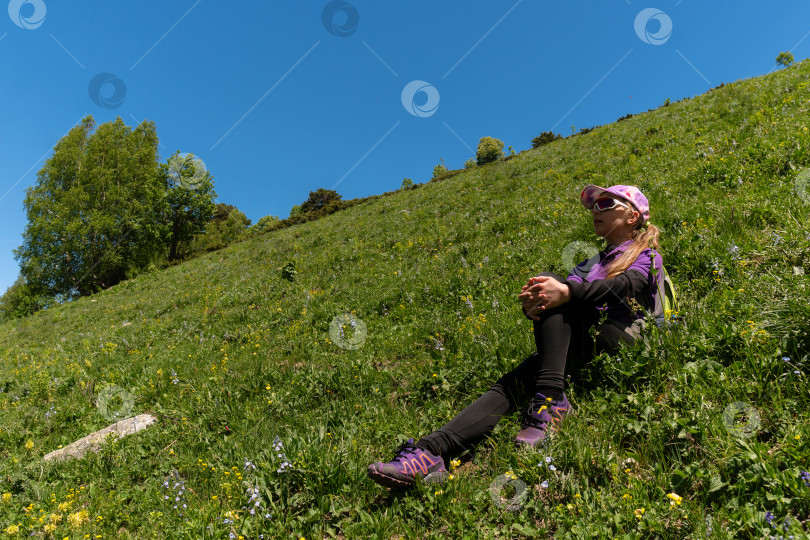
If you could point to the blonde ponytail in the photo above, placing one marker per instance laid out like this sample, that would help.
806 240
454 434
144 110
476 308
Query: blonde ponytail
643 238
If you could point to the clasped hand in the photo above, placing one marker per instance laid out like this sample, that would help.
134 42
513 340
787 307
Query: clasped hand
542 293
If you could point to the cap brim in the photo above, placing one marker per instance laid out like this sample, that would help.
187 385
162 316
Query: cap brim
589 194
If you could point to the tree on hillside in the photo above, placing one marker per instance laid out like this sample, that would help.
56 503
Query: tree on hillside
547 137
190 201
784 59
264 224
439 169
227 225
319 199
489 150
21 300
95 212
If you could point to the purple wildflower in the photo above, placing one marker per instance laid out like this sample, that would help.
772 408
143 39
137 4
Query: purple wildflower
806 477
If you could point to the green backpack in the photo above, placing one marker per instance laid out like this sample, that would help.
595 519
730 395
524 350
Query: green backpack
666 302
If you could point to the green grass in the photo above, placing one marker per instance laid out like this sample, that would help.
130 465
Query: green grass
229 355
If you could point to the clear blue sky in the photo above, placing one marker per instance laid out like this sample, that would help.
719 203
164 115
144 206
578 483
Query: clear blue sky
277 105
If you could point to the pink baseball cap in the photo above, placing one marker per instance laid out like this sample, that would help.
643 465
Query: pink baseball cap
631 194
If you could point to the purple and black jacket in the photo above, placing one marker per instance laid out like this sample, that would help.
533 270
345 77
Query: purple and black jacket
640 282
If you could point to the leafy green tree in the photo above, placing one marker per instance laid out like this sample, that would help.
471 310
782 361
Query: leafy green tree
319 199
545 138
439 169
319 204
95 212
489 150
784 58
190 200
228 225
21 300
407 183
264 224
470 163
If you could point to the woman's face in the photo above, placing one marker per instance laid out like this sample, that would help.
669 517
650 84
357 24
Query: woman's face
615 224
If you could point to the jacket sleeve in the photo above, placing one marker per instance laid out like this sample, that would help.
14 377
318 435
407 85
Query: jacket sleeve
629 284
580 271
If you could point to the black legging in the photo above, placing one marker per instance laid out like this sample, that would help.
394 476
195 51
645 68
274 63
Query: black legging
563 347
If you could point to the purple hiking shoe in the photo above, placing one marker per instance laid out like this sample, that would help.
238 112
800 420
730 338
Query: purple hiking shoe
543 418
409 463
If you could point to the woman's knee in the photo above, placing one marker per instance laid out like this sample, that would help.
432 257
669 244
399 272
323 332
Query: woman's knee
564 308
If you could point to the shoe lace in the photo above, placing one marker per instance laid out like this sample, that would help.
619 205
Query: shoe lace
404 449
530 420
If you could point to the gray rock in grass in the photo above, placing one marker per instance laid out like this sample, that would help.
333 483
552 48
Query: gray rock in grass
93 442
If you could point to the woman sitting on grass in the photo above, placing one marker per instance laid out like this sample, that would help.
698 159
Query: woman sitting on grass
616 284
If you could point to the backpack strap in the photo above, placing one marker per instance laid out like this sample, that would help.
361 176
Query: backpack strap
662 302
658 310
666 300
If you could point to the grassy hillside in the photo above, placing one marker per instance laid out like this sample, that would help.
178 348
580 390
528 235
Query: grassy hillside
259 404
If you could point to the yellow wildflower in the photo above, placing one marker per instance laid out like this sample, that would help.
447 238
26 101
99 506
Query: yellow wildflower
6 497
77 518
675 499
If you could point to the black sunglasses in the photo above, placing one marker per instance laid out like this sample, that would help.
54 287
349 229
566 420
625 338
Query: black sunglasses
608 203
